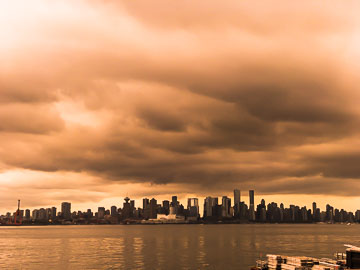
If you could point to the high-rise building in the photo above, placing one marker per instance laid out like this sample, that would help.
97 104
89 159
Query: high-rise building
89 213
193 207
210 204
48 213
66 210
174 201
153 209
146 208
252 205
304 217
166 206
236 202
251 197
42 214
357 216
261 211
262 215
174 205
101 212
21 214
146 203
114 212
27 214
35 214
314 209
226 206
236 196
281 212
132 204
126 211
329 213
53 213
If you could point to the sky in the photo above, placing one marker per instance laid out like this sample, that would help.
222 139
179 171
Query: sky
105 99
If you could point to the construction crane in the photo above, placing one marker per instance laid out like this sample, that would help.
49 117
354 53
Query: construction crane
17 217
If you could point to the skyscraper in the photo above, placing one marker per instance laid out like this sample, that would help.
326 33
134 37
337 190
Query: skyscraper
226 205
153 209
166 206
329 213
101 212
210 204
174 201
132 204
314 211
113 212
252 206
53 213
236 202
251 197
66 210
27 214
42 214
35 214
89 213
146 203
174 205
193 207
126 213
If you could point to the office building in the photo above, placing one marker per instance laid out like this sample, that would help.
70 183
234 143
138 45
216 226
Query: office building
314 209
146 203
225 207
53 213
27 214
174 205
210 204
252 205
66 210
101 212
236 202
126 211
174 201
193 207
35 214
42 214
166 207
132 204
153 209
113 212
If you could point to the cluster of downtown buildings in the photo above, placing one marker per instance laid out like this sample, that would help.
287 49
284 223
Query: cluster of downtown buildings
215 211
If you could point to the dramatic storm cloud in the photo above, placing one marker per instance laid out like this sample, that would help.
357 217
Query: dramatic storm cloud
103 98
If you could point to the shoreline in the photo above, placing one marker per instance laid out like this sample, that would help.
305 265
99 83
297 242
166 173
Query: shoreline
157 223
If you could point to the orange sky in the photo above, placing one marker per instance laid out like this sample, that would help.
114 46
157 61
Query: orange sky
103 99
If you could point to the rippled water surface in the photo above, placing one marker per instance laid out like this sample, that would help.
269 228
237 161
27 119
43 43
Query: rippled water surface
165 246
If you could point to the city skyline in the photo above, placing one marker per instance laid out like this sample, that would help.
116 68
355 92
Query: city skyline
103 98
152 211
230 207
350 204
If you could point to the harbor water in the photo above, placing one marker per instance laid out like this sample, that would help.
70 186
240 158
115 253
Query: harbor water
166 246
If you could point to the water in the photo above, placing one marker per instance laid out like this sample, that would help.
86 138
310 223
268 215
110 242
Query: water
165 246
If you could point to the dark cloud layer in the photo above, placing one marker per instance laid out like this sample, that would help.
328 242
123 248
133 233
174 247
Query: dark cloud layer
216 95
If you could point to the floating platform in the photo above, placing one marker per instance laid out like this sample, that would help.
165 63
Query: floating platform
348 260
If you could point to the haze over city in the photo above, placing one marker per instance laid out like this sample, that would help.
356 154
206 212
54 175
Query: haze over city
104 99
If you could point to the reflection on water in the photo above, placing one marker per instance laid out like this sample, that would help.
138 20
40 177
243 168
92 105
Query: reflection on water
138 253
165 246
